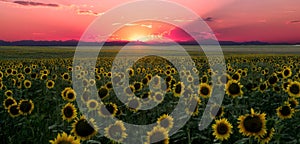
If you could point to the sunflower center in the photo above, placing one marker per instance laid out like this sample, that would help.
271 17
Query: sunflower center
27 84
92 104
272 80
109 85
116 79
137 86
83 128
25 106
294 89
66 76
9 102
64 142
286 72
262 87
285 110
157 138
115 132
158 97
70 95
204 91
165 123
68 112
133 104
14 110
110 108
102 92
50 84
234 89
222 129
178 89
235 77
168 79
224 79
253 124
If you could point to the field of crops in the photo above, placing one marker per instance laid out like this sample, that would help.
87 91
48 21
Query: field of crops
41 105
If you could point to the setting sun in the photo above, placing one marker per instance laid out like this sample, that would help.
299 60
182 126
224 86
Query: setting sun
143 31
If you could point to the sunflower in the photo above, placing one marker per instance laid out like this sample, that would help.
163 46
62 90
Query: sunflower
262 87
253 124
145 81
65 76
68 112
293 102
293 89
50 84
134 104
222 129
92 104
13 110
85 82
233 88
224 78
27 83
44 77
204 79
130 71
157 134
109 109
27 70
116 131
285 85
84 129
138 86
285 111
192 106
25 107
287 72
156 82
64 138
165 121
64 92
92 82
8 102
70 95
216 111
103 92
85 95
178 89
190 78
267 137
273 79
158 97
8 93
205 90
146 96
236 76
129 91
109 85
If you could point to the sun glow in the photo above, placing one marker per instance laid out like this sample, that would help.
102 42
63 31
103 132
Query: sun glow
143 31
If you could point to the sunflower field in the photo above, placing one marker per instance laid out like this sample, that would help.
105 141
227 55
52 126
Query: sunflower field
40 103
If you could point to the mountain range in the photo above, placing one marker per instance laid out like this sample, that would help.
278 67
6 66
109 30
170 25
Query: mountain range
122 43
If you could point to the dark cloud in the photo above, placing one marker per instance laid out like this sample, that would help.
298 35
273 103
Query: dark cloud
30 3
88 12
208 19
294 21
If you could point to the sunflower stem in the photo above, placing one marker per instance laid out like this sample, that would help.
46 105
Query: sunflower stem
189 136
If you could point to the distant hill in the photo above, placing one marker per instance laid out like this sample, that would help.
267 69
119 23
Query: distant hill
121 43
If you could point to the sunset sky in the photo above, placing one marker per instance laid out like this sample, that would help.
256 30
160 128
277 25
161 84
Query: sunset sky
230 20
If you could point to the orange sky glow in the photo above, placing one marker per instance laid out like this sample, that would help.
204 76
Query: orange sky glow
230 20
